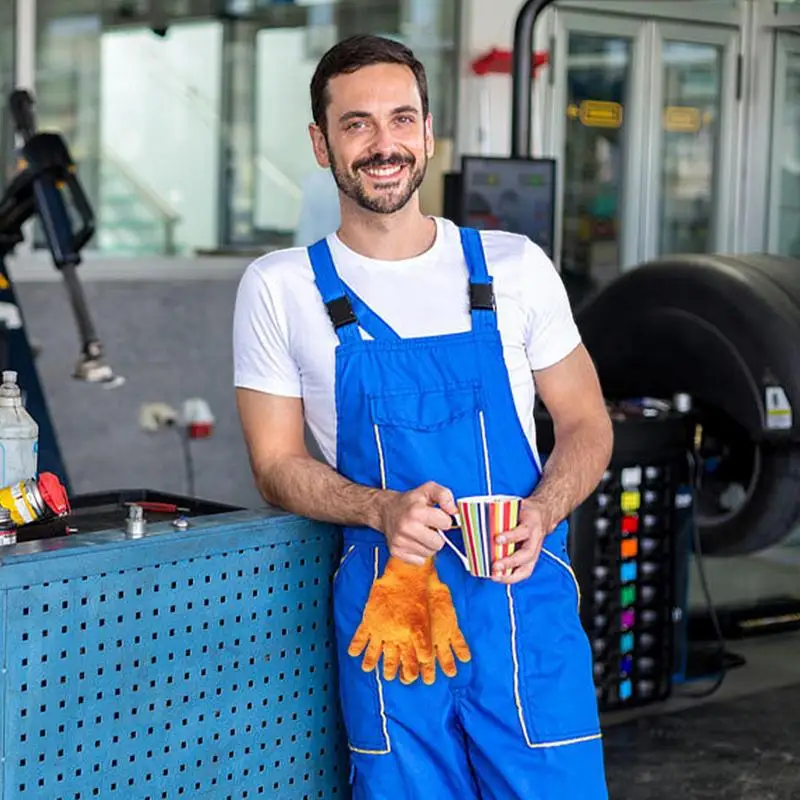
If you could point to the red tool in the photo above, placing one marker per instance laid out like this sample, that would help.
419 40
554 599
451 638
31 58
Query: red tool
158 508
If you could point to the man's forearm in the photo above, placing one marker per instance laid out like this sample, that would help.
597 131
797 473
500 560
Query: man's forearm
573 470
302 485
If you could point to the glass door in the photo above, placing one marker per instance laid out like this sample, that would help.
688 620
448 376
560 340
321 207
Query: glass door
784 203
689 195
597 133
638 112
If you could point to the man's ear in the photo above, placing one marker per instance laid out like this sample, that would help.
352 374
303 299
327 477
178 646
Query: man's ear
320 145
430 144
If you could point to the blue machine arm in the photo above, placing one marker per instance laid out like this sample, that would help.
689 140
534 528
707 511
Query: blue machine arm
46 187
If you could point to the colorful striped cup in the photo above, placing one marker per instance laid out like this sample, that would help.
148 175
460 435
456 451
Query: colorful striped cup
481 519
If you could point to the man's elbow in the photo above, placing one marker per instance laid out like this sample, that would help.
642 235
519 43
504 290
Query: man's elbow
605 439
265 472
274 474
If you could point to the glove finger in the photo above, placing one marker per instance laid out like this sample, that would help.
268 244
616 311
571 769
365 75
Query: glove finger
428 670
359 640
391 661
446 660
423 645
409 666
460 646
405 678
372 656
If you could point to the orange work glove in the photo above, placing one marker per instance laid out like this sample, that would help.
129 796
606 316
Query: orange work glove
396 623
445 634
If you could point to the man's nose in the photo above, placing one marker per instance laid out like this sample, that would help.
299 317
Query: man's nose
383 141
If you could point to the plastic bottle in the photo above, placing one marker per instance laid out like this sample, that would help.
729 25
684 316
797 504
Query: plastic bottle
19 434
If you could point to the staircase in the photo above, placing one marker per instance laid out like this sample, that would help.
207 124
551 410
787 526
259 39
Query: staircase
133 220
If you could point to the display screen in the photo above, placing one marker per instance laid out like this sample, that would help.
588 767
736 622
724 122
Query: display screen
516 195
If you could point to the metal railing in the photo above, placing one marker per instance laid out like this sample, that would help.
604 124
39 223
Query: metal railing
163 212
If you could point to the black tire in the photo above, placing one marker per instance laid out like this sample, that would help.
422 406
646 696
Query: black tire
770 513
721 329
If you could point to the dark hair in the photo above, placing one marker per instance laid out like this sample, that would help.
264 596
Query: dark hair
350 55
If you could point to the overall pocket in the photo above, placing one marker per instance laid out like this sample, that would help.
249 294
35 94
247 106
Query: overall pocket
556 695
436 435
360 693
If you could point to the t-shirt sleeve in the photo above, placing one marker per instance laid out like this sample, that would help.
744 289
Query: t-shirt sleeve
552 333
262 358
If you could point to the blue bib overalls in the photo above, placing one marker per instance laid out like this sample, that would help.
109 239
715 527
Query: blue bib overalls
520 719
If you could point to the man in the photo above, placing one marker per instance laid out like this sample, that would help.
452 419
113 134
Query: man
413 350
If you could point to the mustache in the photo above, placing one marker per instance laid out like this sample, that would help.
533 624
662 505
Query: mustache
394 160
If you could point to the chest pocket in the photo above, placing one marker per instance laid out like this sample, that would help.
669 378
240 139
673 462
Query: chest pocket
437 435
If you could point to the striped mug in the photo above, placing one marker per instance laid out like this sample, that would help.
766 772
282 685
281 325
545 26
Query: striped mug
481 520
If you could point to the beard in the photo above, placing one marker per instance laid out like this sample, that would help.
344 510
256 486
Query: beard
392 195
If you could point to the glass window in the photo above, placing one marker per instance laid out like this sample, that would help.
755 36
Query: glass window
160 131
785 204
190 132
269 164
597 138
67 85
7 36
692 100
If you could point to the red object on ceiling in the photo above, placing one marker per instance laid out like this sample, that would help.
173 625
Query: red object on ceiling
498 61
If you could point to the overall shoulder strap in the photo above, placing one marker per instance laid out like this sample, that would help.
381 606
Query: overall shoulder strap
345 308
481 291
368 319
333 292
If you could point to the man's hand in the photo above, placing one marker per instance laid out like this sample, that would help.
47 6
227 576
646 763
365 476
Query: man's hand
411 521
529 536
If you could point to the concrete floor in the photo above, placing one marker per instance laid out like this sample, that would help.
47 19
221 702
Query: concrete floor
740 749
741 743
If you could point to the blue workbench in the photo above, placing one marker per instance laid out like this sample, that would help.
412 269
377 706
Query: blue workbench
197 663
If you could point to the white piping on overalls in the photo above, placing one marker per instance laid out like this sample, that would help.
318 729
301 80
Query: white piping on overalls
384 723
485 454
344 558
517 700
381 462
376 564
569 569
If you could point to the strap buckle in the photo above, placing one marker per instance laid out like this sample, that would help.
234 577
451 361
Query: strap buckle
341 312
481 297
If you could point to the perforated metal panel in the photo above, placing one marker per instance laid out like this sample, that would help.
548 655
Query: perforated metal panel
198 665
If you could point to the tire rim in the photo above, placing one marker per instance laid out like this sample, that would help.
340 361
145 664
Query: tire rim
731 470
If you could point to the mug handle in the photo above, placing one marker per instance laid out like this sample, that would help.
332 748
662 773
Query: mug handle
455 550
456 518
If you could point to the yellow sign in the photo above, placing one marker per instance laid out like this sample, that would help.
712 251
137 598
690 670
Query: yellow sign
597 113
682 119
601 114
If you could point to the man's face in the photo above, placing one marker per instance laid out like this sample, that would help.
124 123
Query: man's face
378 142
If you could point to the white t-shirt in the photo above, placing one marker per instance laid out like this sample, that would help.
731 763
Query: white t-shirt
284 343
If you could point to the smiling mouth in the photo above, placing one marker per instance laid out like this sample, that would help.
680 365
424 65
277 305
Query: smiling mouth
388 172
